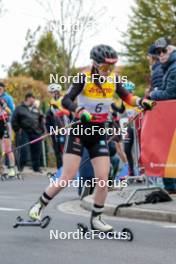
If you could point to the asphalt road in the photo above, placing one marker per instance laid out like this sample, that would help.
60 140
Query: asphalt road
154 243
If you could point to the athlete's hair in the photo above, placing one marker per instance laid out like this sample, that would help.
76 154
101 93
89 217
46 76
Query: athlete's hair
2 85
94 70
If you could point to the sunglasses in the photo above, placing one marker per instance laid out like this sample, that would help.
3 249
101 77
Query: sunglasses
161 50
105 67
55 92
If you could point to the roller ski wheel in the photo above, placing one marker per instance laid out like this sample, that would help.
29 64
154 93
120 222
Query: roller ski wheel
42 223
130 235
4 177
45 221
19 176
124 235
17 222
82 228
50 175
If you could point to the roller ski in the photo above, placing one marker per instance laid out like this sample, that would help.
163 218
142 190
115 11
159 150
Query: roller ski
12 174
34 218
50 175
43 223
101 230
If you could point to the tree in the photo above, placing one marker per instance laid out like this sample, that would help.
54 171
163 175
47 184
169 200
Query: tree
55 47
19 86
16 69
2 9
73 23
149 21
41 57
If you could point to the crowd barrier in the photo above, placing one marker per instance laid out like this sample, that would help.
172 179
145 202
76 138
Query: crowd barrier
158 140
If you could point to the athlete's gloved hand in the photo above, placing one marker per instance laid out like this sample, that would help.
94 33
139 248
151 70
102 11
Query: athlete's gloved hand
62 112
147 104
83 115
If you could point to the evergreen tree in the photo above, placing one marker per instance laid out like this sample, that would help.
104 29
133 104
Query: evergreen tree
149 21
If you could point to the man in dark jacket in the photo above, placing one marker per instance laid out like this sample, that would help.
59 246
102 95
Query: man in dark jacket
167 57
28 118
155 68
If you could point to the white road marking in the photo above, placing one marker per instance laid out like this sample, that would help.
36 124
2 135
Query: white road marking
10 209
169 226
6 197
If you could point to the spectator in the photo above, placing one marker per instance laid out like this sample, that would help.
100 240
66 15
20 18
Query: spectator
28 118
6 110
156 82
114 122
167 58
131 134
56 117
155 67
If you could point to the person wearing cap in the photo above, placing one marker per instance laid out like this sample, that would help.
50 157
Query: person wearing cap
6 109
28 118
155 68
167 57
56 117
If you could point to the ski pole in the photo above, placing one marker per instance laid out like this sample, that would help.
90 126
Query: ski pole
42 137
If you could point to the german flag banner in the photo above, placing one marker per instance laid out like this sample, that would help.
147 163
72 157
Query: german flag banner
158 140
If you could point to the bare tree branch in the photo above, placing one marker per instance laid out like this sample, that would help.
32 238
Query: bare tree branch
2 9
74 22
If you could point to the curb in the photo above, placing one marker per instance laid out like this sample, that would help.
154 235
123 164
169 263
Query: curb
133 212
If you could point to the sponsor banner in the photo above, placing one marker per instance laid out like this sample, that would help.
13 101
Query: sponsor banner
158 140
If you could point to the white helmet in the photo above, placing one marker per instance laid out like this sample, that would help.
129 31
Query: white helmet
54 87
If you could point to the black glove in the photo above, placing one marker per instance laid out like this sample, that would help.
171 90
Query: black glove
147 104
120 109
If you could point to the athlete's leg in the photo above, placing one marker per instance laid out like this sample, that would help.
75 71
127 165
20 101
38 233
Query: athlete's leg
121 152
101 167
71 164
57 152
7 148
1 159
128 144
